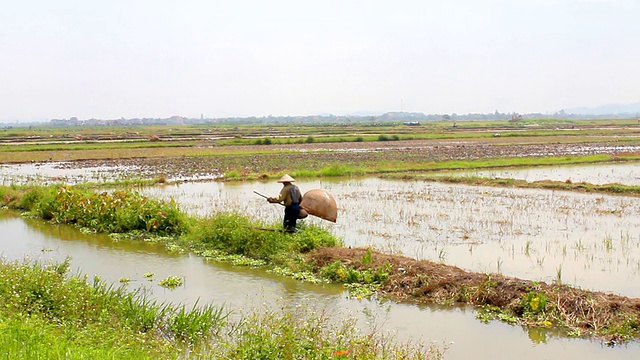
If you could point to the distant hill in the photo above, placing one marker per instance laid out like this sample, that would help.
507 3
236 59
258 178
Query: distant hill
609 109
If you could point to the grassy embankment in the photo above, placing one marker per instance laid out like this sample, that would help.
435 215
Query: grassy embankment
49 314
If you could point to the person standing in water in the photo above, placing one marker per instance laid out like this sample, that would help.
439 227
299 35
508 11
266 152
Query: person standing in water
291 197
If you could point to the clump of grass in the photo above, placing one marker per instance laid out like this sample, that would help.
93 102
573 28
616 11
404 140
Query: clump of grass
338 169
235 234
115 212
534 302
388 138
304 333
52 313
266 141
232 174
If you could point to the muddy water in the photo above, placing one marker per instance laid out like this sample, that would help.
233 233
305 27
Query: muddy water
627 174
70 173
586 240
241 288
76 172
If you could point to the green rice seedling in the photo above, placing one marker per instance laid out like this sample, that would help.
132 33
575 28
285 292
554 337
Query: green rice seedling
608 242
559 274
367 257
527 248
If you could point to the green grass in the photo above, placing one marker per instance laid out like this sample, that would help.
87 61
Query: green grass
47 314
135 216
33 337
301 333
111 212
235 234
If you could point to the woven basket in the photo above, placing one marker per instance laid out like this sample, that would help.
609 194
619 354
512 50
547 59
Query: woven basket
320 203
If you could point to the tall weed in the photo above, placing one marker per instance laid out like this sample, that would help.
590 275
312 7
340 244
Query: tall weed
116 212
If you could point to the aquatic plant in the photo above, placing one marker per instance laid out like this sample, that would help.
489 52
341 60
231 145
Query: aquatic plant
171 282
337 271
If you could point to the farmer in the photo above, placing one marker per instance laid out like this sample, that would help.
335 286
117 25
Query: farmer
290 196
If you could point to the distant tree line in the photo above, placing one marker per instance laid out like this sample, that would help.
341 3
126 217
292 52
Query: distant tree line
399 116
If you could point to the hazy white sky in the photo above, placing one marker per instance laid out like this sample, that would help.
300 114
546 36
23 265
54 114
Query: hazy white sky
157 58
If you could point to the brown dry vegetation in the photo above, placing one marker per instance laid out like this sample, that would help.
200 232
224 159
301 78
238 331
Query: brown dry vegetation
251 161
612 317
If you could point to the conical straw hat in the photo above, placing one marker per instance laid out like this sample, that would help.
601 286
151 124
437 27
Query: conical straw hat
286 178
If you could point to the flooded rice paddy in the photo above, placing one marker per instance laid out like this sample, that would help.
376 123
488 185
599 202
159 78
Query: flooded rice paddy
71 173
597 174
240 289
590 241
587 240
